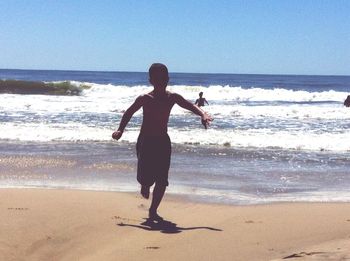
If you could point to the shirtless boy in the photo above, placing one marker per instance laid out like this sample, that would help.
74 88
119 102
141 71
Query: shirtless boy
153 145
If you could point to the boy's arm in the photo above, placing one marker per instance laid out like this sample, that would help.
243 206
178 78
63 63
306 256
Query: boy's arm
127 116
182 102
206 101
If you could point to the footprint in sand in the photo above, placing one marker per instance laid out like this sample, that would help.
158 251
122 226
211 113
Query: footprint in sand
125 219
120 218
17 208
151 247
252 221
303 254
141 206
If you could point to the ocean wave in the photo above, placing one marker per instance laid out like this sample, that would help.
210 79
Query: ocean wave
299 140
223 94
256 95
244 117
44 88
220 93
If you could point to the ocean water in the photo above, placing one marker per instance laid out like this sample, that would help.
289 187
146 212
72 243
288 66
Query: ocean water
273 138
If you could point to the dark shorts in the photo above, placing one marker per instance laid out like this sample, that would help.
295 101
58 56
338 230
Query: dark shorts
153 154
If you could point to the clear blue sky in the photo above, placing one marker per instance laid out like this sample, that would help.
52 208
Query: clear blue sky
247 36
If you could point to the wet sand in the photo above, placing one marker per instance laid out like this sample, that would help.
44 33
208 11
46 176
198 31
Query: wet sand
83 225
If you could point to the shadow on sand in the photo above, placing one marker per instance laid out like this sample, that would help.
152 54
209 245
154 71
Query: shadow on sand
164 226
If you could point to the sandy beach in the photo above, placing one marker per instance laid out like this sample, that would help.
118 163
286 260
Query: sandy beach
241 108
83 225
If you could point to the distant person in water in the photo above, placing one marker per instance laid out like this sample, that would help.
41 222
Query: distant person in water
347 101
153 144
201 100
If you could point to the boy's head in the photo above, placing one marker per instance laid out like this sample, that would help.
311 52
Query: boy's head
158 75
200 94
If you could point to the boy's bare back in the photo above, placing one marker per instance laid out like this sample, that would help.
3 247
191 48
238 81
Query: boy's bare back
157 106
156 111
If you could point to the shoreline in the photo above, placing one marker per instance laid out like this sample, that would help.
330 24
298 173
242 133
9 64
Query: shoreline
174 196
40 224
228 175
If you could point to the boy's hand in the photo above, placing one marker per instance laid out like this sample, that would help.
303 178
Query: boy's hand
206 119
117 134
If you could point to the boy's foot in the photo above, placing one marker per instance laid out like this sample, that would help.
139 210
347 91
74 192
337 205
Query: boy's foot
145 192
152 215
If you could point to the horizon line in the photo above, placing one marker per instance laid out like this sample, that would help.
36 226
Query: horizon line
224 73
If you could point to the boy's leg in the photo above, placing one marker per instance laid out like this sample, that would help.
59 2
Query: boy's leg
158 193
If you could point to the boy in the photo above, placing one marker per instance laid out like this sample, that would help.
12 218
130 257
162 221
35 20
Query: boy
200 101
153 145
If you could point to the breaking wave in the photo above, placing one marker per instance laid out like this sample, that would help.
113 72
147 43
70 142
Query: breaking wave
44 88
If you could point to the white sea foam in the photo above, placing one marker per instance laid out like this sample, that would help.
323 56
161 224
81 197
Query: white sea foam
252 138
237 197
218 92
252 117
225 100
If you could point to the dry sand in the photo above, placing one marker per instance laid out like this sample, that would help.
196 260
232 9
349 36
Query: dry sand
84 225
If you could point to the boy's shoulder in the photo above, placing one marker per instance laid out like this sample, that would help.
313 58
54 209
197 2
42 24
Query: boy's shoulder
173 94
145 96
172 97
152 95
